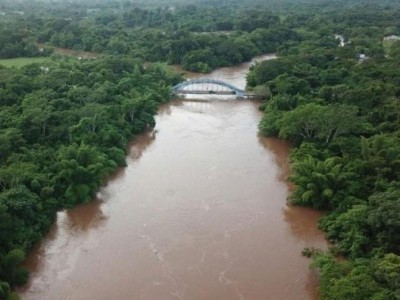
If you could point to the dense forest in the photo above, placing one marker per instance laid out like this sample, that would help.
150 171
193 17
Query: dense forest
341 110
198 39
63 130
65 124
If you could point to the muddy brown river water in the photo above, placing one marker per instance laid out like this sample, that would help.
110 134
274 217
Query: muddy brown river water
199 213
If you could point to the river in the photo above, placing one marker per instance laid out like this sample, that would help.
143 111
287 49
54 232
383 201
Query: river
199 212
69 52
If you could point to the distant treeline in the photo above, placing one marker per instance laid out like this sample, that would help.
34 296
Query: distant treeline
199 37
60 5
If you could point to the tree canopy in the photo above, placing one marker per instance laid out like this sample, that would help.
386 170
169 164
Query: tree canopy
340 111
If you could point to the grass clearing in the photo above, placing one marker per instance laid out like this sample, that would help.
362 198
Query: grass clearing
22 61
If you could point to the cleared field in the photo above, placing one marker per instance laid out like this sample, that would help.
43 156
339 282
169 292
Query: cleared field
22 61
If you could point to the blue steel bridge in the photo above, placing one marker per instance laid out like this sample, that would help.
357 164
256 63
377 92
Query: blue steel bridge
207 86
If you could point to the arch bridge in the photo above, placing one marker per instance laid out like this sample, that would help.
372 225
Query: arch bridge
205 86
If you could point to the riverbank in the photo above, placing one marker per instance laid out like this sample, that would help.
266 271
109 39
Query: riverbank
200 210
58 147
74 53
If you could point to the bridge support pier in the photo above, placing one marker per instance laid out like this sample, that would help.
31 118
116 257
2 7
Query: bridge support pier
240 95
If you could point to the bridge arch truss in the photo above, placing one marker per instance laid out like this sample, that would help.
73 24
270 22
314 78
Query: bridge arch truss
208 86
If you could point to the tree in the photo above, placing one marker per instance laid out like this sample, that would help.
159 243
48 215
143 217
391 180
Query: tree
319 183
80 171
387 271
11 270
290 85
37 110
262 92
319 123
199 60
349 230
384 219
361 279
267 71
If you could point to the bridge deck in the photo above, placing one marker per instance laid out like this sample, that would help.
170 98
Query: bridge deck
206 92
244 96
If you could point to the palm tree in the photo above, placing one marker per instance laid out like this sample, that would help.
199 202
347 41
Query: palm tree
317 182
